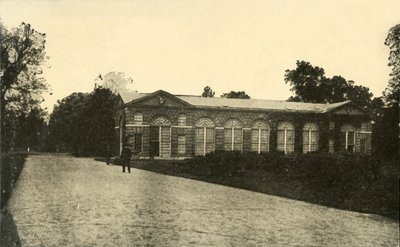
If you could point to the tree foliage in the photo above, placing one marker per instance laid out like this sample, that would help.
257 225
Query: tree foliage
208 92
84 123
67 125
392 92
236 95
310 84
22 54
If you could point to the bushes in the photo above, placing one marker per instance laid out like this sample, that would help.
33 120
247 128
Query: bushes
11 166
349 181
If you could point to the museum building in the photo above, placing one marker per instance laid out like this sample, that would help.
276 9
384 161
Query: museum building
163 125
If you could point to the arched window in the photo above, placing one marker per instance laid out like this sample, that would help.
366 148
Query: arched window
310 137
161 121
182 120
260 137
233 135
138 118
285 134
204 136
348 137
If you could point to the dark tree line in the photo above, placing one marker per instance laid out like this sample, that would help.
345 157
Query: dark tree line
310 84
83 123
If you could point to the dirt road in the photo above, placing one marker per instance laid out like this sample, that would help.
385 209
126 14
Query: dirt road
67 201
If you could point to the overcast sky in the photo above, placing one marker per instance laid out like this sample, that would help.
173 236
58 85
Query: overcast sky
181 46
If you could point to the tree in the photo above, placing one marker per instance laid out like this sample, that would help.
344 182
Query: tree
102 106
84 123
235 95
303 81
310 84
392 92
22 53
208 92
31 130
359 95
67 125
385 134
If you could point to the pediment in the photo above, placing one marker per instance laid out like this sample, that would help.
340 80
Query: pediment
349 109
159 99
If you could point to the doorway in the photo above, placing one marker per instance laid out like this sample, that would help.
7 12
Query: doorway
154 141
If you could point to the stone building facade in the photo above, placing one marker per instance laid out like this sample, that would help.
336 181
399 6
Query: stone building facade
163 125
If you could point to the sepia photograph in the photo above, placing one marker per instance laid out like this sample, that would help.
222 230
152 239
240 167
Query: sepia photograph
199 123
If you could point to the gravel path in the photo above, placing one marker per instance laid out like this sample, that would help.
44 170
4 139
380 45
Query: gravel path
67 201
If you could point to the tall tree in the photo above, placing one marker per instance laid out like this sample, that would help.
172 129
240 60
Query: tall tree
392 92
102 107
84 123
303 81
208 92
310 84
67 125
22 54
236 95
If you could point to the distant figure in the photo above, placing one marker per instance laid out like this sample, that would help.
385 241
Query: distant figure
126 158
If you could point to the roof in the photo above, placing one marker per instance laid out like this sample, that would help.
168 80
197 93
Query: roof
254 104
128 96
259 104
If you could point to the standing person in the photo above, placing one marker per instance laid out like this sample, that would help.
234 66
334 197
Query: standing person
126 159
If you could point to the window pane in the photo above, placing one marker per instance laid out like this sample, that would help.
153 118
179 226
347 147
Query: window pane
237 136
227 139
254 140
181 144
237 139
280 140
210 140
306 140
264 140
307 146
314 141
289 141
199 141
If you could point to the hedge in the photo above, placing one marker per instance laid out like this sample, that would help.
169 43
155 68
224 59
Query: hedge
350 181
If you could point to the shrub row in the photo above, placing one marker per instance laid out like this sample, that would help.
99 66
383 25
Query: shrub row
355 182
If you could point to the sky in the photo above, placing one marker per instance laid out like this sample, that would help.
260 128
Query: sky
182 46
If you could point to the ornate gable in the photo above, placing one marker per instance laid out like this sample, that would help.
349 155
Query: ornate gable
159 99
349 109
